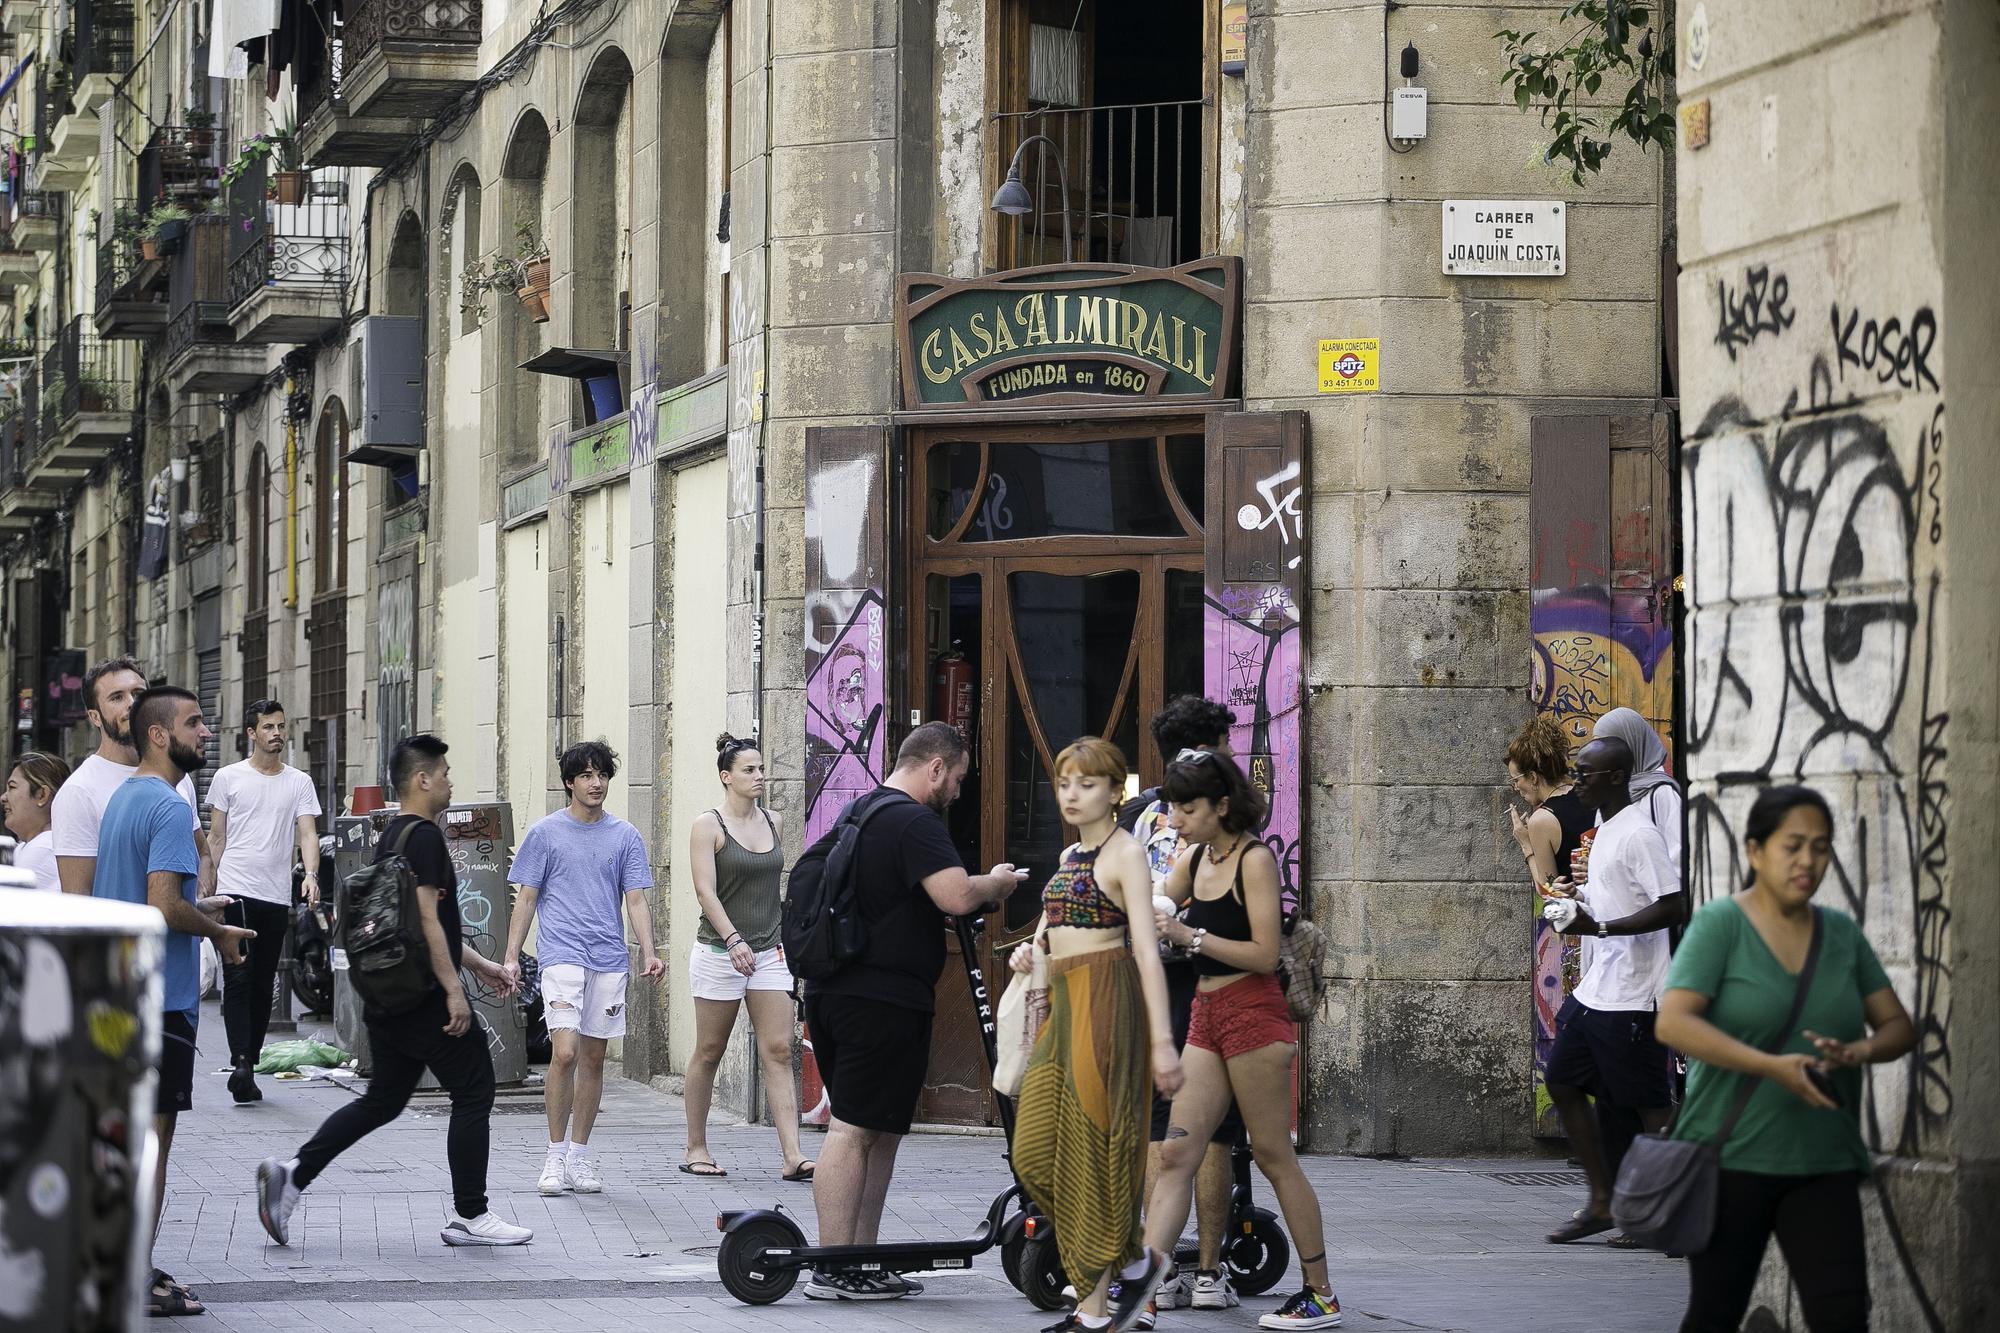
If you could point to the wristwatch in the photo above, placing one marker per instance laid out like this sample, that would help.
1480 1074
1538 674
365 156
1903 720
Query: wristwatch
1603 931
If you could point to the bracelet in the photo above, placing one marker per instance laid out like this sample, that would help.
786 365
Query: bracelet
1194 945
736 937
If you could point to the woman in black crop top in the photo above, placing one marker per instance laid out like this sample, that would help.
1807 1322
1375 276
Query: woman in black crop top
1241 1038
1538 771
1081 1127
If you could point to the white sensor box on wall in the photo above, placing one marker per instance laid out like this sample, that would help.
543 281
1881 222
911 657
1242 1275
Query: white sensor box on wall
1409 114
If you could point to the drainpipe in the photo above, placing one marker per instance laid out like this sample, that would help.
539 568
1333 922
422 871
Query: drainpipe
761 378
291 497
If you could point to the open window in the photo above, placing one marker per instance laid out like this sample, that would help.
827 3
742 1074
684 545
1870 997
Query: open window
1123 92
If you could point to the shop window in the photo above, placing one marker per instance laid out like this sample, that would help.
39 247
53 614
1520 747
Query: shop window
1134 487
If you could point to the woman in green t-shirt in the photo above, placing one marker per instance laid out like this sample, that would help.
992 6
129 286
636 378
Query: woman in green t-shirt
1793 1164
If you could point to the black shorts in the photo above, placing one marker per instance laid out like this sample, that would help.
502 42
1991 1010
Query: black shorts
1613 1056
872 1056
1182 981
176 1091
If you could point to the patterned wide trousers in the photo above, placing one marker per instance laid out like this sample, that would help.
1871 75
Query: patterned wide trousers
1081 1127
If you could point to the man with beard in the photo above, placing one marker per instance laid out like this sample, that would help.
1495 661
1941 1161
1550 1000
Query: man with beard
871 1021
146 854
109 690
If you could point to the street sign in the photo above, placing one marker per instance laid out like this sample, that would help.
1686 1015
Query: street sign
1510 238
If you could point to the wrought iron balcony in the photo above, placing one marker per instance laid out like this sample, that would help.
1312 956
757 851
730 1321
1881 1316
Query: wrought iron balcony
200 353
35 221
1121 185
181 164
395 64
86 398
102 51
131 296
288 262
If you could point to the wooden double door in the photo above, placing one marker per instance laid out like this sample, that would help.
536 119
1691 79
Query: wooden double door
1055 590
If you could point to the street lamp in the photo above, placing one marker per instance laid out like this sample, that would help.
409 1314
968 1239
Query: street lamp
1012 197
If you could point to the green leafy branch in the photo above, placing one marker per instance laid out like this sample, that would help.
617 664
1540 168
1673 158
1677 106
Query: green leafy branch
1614 39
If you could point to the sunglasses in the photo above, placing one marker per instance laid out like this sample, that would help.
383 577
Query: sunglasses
1193 756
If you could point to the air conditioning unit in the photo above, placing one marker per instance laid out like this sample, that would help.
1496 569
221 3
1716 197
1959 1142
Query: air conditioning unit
386 353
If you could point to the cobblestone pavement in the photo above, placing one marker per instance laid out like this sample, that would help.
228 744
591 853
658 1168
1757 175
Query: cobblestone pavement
1414 1244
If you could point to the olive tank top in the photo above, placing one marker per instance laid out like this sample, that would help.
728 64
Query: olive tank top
747 884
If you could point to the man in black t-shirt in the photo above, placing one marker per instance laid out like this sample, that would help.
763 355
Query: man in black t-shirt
440 1034
871 1023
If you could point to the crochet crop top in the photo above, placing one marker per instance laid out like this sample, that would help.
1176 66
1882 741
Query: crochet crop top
1072 898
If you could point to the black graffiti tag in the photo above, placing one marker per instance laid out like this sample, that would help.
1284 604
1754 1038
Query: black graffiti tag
1757 307
1886 349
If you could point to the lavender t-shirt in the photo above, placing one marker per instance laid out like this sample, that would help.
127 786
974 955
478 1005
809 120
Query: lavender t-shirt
583 872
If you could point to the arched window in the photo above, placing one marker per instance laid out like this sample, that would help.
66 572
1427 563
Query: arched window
601 234
523 172
459 244
330 499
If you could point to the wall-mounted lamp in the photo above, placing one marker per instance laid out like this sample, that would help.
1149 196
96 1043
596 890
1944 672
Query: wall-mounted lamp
1409 105
179 468
1013 199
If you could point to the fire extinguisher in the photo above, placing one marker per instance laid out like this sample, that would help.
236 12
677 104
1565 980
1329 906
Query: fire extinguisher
952 691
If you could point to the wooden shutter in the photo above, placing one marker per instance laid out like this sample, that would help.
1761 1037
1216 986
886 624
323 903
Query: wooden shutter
1601 517
846 618
1254 658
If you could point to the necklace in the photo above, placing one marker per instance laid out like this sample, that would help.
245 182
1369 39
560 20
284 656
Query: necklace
1215 860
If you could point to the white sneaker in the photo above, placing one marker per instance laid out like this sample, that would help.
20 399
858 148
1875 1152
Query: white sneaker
1213 1292
1173 1293
276 1197
485 1229
583 1177
555 1173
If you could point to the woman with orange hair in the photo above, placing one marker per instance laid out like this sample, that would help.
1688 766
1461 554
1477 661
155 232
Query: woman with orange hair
1081 1130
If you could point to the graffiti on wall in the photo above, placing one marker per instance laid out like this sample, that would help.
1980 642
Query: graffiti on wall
1814 580
1601 631
1253 661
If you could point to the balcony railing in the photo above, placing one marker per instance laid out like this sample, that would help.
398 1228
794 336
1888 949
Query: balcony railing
297 247
181 163
29 206
79 374
198 287
103 34
370 23
1134 184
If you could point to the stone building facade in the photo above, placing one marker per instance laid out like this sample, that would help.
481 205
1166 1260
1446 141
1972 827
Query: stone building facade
727 483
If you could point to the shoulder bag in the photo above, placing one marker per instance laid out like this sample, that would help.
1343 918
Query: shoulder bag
1666 1192
1018 1022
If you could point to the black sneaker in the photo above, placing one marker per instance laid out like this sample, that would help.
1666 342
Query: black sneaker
846 1287
243 1084
1073 1323
1135 1292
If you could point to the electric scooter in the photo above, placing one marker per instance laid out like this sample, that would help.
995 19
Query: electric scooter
764 1250
1255 1252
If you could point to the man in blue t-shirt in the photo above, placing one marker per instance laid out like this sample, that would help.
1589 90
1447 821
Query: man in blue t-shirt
146 854
581 866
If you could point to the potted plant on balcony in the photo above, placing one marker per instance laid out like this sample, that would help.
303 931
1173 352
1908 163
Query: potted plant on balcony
166 228
96 393
533 269
200 132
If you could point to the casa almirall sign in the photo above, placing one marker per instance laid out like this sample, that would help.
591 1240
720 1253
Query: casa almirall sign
1505 238
1070 335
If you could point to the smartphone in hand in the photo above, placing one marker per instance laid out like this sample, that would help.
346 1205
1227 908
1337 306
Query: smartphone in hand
1819 1079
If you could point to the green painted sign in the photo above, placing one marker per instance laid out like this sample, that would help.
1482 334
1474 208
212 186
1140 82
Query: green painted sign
1070 334
605 450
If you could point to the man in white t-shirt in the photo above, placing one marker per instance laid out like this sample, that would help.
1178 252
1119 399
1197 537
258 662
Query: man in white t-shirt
1604 1045
109 689
262 813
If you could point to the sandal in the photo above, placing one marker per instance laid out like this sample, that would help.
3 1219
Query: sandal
168 1298
1580 1224
710 1168
802 1172
1621 1241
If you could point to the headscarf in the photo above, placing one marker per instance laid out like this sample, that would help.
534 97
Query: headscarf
1649 755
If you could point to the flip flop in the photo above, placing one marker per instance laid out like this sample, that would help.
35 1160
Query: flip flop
169 1299
802 1172
709 1169
1580 1224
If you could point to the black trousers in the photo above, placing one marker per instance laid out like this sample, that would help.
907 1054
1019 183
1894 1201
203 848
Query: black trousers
247 986
403 1047
1817 1220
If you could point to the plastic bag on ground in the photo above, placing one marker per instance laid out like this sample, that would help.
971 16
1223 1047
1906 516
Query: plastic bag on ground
285 1056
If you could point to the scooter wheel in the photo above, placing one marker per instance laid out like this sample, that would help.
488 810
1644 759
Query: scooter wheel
1010 1259
1042 1277
1257 1258
740 1261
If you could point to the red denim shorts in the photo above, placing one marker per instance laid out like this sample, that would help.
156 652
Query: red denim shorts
1248 1014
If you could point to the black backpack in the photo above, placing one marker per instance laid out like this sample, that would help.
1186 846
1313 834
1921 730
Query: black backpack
823 928
382 932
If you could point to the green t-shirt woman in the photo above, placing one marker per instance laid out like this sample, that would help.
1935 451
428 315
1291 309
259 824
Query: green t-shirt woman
1794 1163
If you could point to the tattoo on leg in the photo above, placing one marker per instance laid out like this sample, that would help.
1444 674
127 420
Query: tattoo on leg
1176 1132
1312 1258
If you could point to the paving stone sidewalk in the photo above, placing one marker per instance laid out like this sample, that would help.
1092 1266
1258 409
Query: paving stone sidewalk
1414 1244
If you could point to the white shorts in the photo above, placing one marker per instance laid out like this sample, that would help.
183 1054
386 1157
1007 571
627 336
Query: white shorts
576 999
714 978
